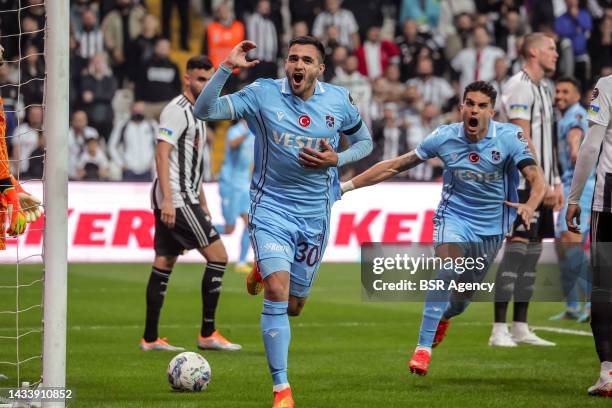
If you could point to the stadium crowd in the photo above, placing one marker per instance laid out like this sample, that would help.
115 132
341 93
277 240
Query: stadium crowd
405 63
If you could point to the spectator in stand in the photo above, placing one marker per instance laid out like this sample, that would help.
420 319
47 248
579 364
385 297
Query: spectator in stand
507 33
396 87
77 8
335 63
300 29
222 35
477 63
305 10
449 10
97 91
576 24
349 77
461 38
89 37
419 127
143 47
542 13
92 164
380 89
342 19
120 26
34 9
376 54
77 134
434 90
500 79
367 14
36 166
414 43
25 139
9 91
183 11
426 12
600 44
393 138
32 34
32 76
159 80
132 145
262 31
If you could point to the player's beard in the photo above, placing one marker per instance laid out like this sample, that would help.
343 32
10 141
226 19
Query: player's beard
195 91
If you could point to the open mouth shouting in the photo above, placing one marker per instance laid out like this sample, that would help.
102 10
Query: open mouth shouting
297 79
473 123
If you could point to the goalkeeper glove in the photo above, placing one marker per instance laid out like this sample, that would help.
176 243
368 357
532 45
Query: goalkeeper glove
14 215
30 205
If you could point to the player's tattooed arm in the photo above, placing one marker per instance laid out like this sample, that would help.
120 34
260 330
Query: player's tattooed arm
534 175
383 170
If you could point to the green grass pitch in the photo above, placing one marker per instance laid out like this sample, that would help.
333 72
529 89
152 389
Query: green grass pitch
344 352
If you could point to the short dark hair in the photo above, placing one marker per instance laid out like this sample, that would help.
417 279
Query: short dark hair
199 62
571 80
310 40
483 87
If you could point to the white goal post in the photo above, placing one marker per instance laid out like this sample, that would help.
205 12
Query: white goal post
56 195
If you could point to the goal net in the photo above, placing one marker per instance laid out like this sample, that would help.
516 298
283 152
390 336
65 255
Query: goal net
34 89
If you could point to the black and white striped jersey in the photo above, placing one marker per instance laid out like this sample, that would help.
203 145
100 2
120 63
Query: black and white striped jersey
600 113
522 98
188 158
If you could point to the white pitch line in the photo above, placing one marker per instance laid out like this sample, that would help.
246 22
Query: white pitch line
563 331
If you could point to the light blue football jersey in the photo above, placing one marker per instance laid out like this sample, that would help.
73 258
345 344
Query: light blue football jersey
236 168
574 117
283 124
478 177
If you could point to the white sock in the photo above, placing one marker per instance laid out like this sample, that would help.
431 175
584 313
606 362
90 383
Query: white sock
280 387
520 328
606 370
428 349
499 328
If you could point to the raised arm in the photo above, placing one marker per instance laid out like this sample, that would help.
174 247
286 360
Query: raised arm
382 171
209 106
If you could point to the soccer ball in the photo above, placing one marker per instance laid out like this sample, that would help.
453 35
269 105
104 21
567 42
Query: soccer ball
189 371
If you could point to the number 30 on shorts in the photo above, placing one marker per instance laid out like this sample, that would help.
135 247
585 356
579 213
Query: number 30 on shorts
308 253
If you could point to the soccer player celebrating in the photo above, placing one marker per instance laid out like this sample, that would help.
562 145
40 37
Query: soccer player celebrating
234 181
182 219
527 102
296 121
481 158
597 147
573 262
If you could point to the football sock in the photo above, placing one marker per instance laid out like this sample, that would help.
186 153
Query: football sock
526 281
211 289
276 334
436 302
156 292
601 325
568 272
244 246
505 280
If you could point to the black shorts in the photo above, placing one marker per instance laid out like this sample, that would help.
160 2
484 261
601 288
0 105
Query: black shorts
192 229
601 256
542 224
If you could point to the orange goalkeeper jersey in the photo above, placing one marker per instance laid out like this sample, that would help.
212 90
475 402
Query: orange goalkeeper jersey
5 167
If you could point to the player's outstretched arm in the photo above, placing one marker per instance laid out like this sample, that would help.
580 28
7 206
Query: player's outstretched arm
209 106
382 171
587 156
